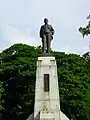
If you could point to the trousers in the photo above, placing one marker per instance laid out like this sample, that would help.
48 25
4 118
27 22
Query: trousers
46 42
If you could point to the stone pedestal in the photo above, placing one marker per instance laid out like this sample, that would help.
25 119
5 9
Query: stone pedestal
47 101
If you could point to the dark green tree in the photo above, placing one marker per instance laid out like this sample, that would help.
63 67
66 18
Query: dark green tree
85 30
73 84
1 98
18 75
17 68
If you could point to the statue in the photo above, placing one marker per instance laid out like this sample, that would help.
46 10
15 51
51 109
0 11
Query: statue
46 33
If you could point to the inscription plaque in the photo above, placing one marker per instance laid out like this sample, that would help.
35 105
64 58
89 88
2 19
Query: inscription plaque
46 82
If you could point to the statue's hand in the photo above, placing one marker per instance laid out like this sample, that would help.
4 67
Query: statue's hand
52 33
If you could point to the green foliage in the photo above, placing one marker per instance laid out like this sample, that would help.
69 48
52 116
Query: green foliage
17 72
73 83
85 30
18 75
1 96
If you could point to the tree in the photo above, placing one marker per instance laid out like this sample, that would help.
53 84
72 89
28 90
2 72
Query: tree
18 75
86 30
73 84
1 98
17 68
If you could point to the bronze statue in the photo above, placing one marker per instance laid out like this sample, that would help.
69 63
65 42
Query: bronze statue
46 33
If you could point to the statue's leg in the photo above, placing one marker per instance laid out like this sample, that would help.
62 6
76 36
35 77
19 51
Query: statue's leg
44 43
48 42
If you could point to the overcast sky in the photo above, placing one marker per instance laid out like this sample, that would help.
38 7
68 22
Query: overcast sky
20 21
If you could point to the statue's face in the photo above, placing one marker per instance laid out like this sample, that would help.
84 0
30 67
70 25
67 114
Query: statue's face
45 20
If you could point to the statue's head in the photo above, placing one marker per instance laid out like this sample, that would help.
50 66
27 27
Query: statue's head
45 20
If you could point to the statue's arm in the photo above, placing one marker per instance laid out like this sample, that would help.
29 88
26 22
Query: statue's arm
40 32
52 30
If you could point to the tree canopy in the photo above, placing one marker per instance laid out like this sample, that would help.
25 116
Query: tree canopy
85 30
17 83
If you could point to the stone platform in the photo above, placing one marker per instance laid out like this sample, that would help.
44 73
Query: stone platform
47 101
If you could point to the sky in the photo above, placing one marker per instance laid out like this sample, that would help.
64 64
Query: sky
20 22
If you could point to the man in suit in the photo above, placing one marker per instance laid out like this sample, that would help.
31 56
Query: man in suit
46 33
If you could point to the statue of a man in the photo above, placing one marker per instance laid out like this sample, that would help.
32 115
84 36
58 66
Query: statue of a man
46 33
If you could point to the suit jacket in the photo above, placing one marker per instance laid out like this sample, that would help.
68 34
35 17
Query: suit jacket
43 30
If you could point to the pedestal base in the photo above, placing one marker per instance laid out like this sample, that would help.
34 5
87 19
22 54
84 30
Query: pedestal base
47 101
